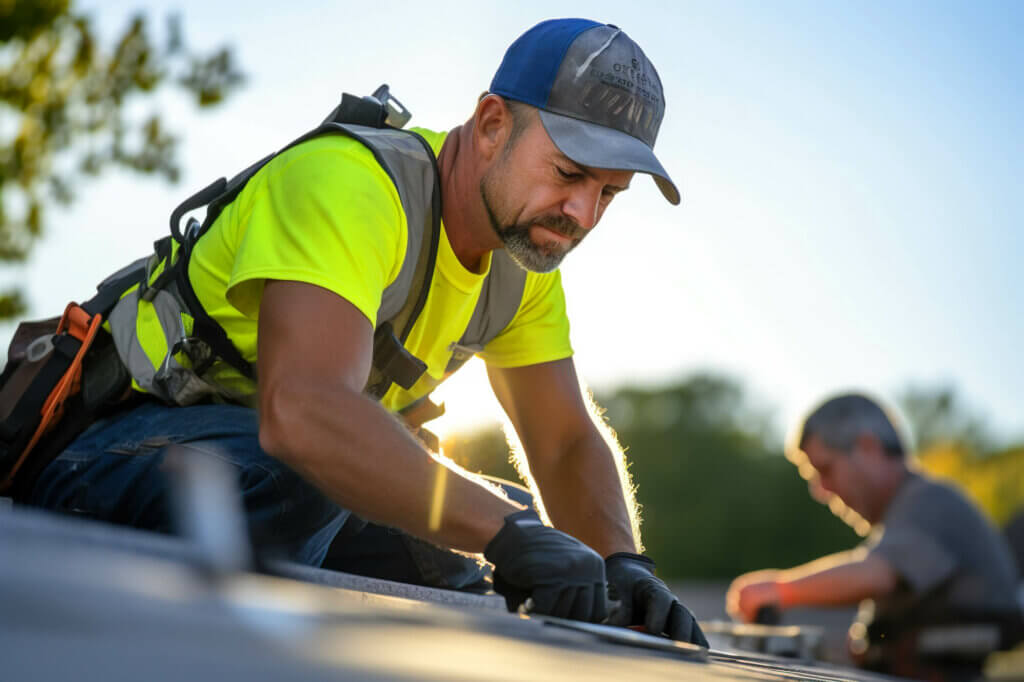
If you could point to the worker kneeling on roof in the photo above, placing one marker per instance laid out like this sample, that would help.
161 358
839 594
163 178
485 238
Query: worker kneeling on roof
935 580
337 282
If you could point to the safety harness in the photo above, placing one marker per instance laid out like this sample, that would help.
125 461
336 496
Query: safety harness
57 382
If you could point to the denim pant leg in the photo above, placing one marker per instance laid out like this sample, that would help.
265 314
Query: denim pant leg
381 552
114 472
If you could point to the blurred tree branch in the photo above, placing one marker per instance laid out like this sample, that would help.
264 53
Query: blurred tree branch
63 117
938 416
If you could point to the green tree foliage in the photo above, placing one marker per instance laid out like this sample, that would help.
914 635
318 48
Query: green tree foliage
64 110
953 442
718 496
938 416
995 480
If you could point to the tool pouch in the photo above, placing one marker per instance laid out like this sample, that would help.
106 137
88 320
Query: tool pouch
61 374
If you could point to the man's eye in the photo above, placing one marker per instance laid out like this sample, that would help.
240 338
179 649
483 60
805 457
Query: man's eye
566 174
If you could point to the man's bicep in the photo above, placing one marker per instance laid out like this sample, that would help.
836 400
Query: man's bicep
543 402
310 334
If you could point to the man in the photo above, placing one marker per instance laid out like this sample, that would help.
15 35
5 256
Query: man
294 270
931 556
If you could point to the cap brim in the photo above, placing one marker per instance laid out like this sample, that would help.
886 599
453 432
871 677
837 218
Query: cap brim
597 146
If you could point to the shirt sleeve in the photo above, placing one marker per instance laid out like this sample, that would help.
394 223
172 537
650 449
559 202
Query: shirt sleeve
911 541
921 561
323 213
540 330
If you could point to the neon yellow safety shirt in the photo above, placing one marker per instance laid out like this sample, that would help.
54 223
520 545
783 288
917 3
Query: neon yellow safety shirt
326 213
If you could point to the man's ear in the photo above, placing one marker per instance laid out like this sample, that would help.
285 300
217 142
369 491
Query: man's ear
492 124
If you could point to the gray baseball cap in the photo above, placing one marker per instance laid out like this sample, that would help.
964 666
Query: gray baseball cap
600 98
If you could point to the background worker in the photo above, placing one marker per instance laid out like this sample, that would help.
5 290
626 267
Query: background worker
294 270
931 556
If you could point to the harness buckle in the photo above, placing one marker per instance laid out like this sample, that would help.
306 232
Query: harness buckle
462 353
393 361
397 113
39 349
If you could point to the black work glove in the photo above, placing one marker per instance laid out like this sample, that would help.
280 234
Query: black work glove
563 576
645 600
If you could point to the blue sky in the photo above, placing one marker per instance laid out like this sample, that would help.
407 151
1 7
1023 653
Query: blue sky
852 177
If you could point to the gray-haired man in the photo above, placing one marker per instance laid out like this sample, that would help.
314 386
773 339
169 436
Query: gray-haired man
931 556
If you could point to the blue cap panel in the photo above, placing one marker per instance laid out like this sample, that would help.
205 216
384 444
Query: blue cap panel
531 63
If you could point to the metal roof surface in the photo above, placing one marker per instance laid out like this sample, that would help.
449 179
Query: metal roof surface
85 600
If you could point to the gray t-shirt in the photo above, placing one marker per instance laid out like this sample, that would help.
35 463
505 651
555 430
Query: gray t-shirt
948 555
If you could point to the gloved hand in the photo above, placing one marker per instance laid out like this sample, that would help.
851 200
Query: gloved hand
645 600
563 576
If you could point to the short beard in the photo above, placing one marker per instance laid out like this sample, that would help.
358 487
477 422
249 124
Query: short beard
516 236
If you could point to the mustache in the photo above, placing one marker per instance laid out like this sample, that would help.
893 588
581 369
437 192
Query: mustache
563 225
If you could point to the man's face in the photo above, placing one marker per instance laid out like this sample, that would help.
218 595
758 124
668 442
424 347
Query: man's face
540 203
843 474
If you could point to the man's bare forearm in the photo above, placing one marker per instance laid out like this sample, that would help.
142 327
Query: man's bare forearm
585 497
367 461
836 585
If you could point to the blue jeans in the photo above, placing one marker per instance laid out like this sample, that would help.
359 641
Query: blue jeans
113 472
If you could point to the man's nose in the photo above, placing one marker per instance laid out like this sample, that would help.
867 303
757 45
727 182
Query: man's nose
583 205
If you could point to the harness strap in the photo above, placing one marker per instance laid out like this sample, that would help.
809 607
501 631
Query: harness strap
420 412
396 364
201 198
392 363
497 306
205 327
110 290
360 111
